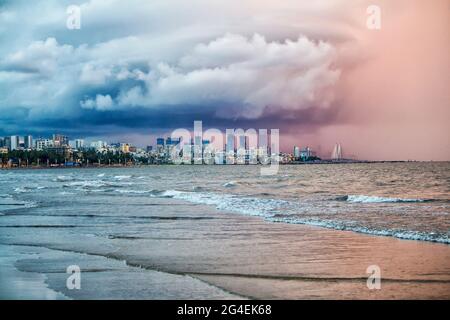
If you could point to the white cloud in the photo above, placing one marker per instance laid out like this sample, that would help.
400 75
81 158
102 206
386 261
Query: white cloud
94 75
101 102
40 57
249 73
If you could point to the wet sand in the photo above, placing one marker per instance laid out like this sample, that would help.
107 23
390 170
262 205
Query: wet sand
188 251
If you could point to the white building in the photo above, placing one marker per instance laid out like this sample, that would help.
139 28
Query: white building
15 142
98 145
296 152
41 144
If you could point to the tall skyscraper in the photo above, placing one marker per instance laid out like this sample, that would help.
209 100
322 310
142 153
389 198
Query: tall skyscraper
230 142
79 144
160 145
7 142
296 152
15 143
28 142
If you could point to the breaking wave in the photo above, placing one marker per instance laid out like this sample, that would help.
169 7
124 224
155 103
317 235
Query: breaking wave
227 202
377 199
396 233
274 210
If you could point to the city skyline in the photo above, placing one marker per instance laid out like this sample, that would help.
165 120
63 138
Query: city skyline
315 71
235 142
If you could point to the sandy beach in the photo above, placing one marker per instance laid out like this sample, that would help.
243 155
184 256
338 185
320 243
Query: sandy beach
233 256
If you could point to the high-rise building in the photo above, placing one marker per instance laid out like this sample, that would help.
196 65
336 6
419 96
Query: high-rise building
28 142
79 144
98 145
230 142
160 145
263 141
7 142
15 143
305 153
296 152
41 144
2 142
160 141
60 140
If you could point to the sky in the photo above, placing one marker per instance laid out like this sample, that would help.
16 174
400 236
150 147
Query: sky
313 69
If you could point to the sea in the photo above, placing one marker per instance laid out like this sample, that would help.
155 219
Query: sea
404 200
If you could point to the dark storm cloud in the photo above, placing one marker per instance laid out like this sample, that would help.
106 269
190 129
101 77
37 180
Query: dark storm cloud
141 66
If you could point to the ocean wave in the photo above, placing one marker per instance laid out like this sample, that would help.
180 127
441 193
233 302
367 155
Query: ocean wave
400 234
64 178
376 199
227 202
26 189
130 191
86 184
273 210
95 184
13 204
122 177
5 195
22 189
65 193
229 184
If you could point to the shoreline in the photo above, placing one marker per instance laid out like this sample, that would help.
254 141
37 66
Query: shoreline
133 237
323 162
245 256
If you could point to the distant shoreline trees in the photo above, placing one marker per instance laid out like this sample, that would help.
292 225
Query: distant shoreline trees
45 158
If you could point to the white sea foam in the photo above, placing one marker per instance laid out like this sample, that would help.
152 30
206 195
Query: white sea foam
129 191
377 199
270 209
230 184
122 177
101 175
65 193
64 178
400 234
26 189
87 184
21 190
230 203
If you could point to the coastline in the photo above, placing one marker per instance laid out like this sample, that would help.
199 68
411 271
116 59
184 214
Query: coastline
321 162
239 255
